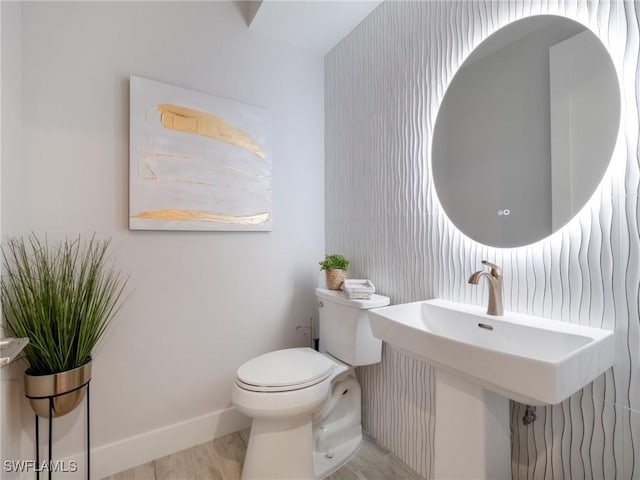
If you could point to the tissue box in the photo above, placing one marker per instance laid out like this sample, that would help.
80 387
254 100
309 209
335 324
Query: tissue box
358 289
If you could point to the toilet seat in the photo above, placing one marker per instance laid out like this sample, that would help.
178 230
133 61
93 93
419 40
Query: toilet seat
284 370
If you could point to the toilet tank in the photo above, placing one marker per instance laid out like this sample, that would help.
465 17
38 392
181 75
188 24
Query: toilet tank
345 331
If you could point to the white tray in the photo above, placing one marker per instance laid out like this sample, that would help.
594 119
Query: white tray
358 288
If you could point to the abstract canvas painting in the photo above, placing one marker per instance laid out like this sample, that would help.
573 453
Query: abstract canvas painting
197 161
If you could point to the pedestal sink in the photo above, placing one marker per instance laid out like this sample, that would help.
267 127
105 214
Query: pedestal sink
484 360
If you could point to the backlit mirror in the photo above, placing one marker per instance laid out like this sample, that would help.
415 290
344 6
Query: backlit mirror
525 131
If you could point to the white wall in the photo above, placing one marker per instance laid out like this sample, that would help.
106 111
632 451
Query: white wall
201 303
12 435
12 177
384 85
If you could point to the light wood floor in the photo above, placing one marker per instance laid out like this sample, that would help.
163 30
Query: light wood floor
221 459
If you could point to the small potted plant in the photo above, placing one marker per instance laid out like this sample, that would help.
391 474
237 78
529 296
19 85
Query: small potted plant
336 267
62 298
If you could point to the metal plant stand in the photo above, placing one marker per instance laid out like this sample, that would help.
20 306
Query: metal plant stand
50 398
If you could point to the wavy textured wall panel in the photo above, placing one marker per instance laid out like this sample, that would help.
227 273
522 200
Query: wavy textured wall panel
384 83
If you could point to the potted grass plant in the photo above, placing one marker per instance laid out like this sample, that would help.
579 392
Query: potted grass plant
62 297
335 267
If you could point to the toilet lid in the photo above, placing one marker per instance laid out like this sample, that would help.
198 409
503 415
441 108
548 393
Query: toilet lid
285 370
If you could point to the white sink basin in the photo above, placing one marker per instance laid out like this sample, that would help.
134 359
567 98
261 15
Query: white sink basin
532 360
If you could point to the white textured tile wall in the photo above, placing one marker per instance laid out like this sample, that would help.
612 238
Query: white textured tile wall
384 83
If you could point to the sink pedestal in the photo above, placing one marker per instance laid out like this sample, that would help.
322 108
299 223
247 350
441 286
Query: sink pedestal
472 438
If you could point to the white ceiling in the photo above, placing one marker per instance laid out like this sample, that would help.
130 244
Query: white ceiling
316 26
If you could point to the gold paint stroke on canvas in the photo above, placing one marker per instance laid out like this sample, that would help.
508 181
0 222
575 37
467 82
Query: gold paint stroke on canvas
203 216
239 171
192 121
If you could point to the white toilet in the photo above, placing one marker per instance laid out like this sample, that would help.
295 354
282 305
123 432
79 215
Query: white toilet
305 405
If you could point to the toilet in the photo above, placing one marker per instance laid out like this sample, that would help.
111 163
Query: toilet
306 405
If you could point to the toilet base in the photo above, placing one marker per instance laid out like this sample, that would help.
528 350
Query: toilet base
324 465
286 452
279 449
337 428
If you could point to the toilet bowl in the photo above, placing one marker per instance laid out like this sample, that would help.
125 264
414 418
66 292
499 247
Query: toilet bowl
306 405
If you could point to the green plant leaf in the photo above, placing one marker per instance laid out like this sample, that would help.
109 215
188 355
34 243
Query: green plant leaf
334 262
62 297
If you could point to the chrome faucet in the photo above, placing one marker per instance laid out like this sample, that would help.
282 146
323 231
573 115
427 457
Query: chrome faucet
494 277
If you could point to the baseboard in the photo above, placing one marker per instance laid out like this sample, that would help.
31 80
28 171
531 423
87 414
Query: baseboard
137 450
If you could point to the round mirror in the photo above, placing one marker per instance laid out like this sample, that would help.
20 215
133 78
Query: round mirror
525 131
